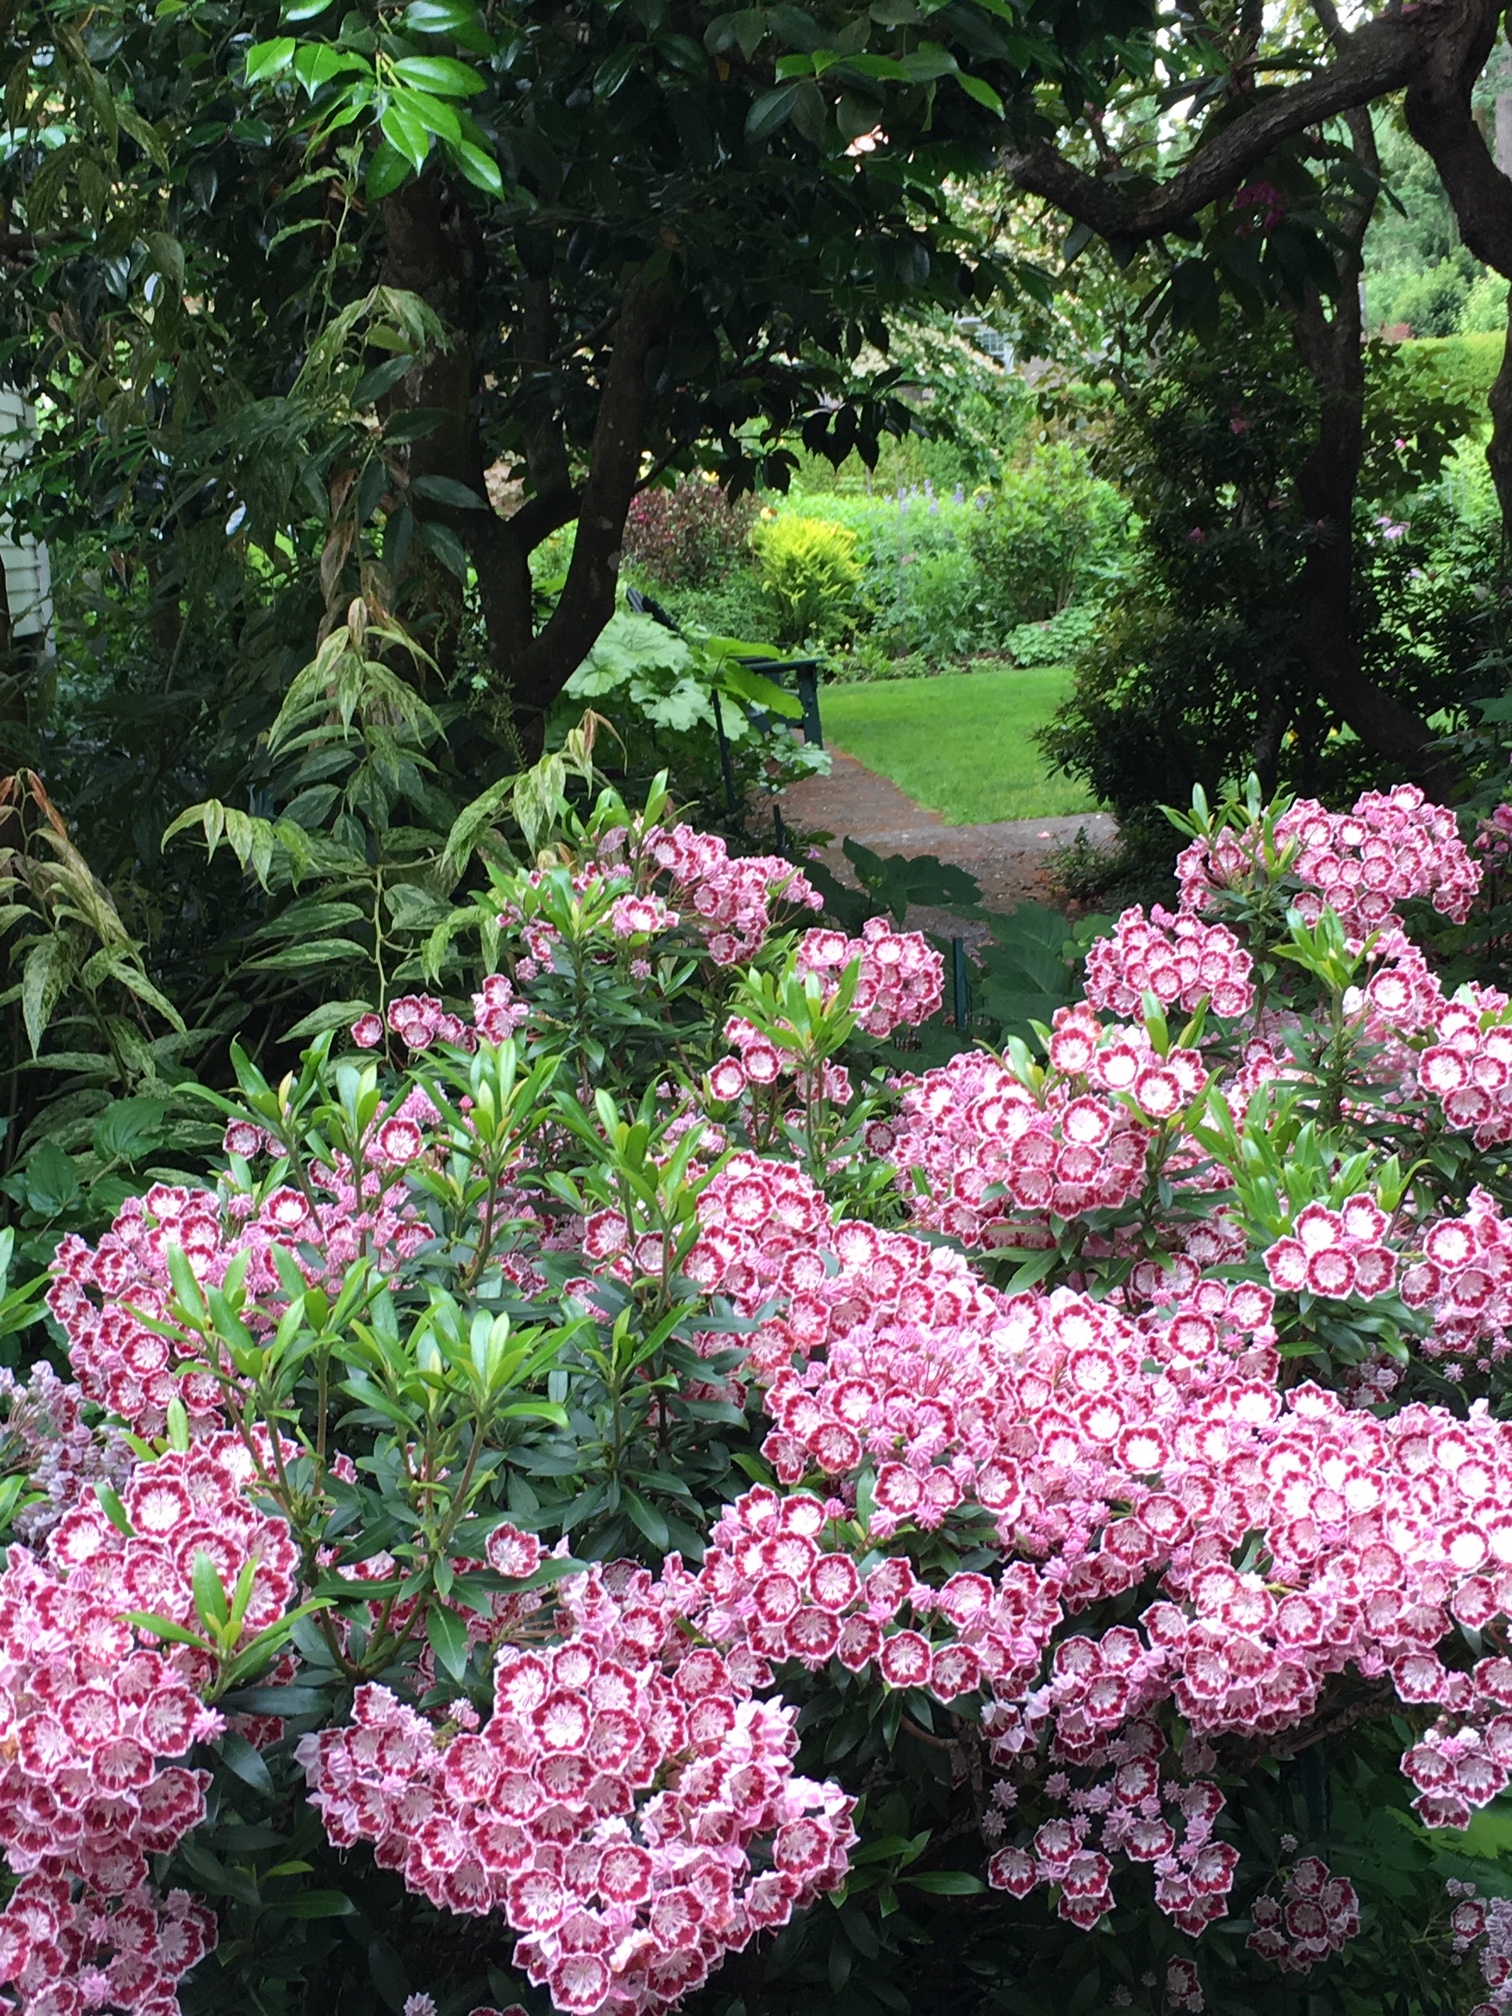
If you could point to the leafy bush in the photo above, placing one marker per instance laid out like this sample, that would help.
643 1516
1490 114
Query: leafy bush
620 1456
684 533
1485 309
1052 534
661 694
936 583
1066 635
809 572
734 606
1198 658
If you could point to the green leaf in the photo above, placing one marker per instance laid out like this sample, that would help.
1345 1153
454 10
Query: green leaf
413 423
372 385
292 1700
163 1627
49 968
649 1520
386 171
441 74
114 1510
439 17
448 1639
305 10
982 92
239 1756
407 134
266 59
52 1181
330 1015
128 1127
210 1602
318 1904
481 169
947 1883
446 490
317 952
769 111
446 546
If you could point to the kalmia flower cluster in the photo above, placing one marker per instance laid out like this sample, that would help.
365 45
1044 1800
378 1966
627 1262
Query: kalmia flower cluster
1493 838
995 1152
64 1950
1104 1450
101 1295
1317 1913
1158 1529
1392 846
901 980
1483 1925
1468 1067
759 1065
733 899
91 1706
1175 957
1337 1254
628 1808
1465 1277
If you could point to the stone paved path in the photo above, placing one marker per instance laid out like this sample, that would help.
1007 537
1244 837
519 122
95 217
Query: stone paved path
1007 856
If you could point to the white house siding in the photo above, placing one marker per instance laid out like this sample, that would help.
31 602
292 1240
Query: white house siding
28 580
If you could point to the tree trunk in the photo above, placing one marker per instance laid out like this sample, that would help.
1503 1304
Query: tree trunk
435 250
537 673
1327 636
1504 131
1441 118
1327 633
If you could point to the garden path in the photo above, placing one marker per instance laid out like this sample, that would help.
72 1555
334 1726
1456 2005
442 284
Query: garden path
1007 856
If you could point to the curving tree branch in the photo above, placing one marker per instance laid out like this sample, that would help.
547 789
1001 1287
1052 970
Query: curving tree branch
1385 55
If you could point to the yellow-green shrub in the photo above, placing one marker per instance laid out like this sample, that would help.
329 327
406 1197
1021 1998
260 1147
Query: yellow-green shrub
809 575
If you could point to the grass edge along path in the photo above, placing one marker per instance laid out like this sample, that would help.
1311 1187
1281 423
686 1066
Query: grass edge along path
961 744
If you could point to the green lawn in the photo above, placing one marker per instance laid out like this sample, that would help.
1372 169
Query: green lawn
960 744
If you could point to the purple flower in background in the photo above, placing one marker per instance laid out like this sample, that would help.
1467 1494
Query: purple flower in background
958 495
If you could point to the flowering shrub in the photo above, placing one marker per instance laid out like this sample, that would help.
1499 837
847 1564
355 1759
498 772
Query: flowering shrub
621 1458
683 533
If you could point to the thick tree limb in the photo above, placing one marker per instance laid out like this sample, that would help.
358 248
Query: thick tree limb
1440 119
1383 56
538 673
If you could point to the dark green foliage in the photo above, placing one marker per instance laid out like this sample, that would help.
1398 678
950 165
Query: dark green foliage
1049 537
1197 669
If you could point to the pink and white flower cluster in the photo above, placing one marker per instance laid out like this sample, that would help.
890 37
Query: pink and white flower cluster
1493 838
1175 957
1468 1067
65 1949
1317 1913
1337 1254
1390 847
901 980
759 1064
994 1152
100 1295
628 1808
1483 1925
91 1706
1465 1277
733 899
